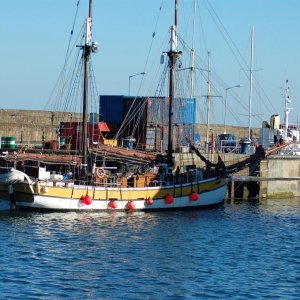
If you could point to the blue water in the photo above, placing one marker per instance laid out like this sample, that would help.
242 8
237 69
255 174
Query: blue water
244 250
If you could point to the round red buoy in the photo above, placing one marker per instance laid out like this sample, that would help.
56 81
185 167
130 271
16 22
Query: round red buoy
149 201
194 196
113 204
169 199
130 205
87 200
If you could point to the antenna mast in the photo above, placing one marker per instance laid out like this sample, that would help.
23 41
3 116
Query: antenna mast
287 109
250 90
208 103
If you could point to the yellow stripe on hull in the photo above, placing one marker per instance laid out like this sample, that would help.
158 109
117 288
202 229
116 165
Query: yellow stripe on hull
102 193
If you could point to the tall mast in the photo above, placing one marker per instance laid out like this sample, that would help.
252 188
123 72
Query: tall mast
287 109
86 56
173 55
250 91
193 55
208 103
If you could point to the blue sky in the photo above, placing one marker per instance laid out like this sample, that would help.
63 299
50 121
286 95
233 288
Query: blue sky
35 35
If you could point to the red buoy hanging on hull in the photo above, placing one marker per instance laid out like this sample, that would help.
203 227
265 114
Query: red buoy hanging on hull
169 199
87 200
113 204
149 201
194 196
130 205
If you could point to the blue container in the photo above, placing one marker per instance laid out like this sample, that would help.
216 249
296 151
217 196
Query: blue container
155 111
114 108
111 108
134 107
184 111
245 143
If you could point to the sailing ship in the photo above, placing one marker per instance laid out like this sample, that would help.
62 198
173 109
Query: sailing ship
86 183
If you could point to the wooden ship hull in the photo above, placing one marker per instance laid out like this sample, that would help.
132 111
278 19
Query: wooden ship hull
66 196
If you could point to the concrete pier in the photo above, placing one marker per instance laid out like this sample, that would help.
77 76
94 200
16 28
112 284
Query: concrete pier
277 176
30 125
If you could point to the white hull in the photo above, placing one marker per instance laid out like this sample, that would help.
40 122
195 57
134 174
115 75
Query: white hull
6 186
212 193
11 177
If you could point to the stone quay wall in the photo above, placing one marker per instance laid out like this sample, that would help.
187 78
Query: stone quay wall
283 173
29 126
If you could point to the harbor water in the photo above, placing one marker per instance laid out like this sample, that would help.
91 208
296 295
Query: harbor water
243 250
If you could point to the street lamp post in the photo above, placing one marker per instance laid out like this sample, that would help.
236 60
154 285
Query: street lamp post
129 78
226 90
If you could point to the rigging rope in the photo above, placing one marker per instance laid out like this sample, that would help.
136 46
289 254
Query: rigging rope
130 112
72 30
153 34
234 49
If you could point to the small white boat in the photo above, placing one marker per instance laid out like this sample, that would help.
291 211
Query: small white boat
7 180
11 177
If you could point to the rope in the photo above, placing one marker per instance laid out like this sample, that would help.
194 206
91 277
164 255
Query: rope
62 76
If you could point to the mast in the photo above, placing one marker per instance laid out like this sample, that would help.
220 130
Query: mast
250 92
287 109
173 54
86 56
208 103
193 55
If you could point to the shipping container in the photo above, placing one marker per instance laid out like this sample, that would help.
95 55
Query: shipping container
111 108
71 132
154 140
157 137
134 120
156 111
69 129
184 111
146 119
134 109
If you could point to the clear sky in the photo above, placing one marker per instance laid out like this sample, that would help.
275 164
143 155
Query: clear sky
35 35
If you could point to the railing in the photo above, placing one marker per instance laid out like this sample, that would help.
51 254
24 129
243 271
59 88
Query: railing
229 146
292 149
